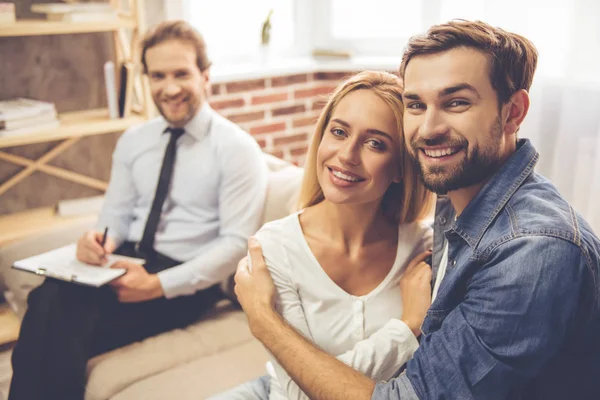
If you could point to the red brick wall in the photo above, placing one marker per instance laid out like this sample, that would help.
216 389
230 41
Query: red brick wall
279 111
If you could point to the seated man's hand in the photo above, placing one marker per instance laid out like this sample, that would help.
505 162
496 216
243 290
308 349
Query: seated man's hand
255 289
90 250
137 284
415 286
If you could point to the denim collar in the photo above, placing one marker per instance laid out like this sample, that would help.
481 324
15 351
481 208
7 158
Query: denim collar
492 198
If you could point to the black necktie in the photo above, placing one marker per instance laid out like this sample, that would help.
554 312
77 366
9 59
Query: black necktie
146 245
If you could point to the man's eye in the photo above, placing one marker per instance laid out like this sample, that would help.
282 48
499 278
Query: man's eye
182 75
415 106
458 103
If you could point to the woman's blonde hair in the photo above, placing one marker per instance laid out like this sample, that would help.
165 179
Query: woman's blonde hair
403 202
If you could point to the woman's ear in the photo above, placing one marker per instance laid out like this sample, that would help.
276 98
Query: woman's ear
515 111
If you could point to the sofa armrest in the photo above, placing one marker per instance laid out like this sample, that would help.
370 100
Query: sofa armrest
20 283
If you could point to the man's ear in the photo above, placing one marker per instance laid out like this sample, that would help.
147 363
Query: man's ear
515 110
207 85
206 74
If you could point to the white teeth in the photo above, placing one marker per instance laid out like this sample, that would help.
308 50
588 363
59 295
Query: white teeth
440 152
344 176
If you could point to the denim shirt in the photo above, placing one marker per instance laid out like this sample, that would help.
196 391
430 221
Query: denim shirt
516 315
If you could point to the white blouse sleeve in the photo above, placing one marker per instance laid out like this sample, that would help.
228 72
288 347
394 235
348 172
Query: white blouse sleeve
287 302
382 354
379 357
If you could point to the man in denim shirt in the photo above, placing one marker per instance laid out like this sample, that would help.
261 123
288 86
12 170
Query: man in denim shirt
516 271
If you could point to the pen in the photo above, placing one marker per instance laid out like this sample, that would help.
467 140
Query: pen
104 238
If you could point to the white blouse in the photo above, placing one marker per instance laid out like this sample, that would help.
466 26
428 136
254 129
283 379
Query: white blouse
364 332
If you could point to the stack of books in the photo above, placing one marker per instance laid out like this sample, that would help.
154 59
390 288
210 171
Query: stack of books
23 116
76 12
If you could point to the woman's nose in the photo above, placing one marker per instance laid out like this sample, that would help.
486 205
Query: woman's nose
350 153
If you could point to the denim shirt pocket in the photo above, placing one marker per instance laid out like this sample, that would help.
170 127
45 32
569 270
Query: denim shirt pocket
433 320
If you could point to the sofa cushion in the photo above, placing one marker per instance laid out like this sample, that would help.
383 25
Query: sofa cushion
223 328
283 189
202 377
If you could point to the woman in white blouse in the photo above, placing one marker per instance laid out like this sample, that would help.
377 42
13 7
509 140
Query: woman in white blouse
338 263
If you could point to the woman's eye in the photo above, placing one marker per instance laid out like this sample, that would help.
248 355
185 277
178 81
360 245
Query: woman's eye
376 144
338 132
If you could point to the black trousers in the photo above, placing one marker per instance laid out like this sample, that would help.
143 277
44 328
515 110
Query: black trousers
66 324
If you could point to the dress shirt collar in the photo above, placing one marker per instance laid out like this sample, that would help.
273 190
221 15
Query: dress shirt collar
199 126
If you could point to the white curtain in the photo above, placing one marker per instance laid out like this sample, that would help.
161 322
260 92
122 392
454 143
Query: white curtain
564 118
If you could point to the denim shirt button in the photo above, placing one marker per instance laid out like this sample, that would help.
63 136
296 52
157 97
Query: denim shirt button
442 220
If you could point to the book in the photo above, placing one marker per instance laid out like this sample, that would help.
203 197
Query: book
64 8
7 13
126 81
30 129
21 108
62 264
25 122
83 17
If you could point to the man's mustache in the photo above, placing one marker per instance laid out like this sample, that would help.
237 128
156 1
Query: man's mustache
419 143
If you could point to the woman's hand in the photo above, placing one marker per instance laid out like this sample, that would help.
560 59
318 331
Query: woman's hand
415 286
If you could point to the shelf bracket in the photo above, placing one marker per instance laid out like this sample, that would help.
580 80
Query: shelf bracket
41 164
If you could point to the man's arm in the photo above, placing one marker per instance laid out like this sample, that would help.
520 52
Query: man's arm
319 375
519 308
242 193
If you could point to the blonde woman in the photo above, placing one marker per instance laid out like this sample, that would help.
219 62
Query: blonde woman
338 262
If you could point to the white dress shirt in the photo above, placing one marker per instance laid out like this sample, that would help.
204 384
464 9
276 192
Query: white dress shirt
364 332
215 201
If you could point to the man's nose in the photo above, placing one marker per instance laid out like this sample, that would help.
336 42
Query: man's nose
433 124
172 88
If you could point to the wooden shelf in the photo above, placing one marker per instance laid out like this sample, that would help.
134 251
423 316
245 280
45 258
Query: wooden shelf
39 220
37 27
75 124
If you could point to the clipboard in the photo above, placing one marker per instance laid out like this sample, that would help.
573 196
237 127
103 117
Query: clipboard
62 264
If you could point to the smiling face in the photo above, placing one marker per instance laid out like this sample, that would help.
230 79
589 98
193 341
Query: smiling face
452 120
177 85
357 158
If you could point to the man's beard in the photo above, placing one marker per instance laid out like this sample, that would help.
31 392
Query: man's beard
191 111
474 168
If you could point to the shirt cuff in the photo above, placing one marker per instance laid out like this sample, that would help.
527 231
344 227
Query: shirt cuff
412 344
399 388
176 281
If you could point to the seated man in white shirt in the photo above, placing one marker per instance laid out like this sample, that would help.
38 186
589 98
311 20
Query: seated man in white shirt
186 191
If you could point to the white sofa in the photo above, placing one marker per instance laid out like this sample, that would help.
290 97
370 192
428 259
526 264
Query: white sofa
203 359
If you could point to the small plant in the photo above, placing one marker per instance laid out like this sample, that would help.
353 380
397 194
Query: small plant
266 30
